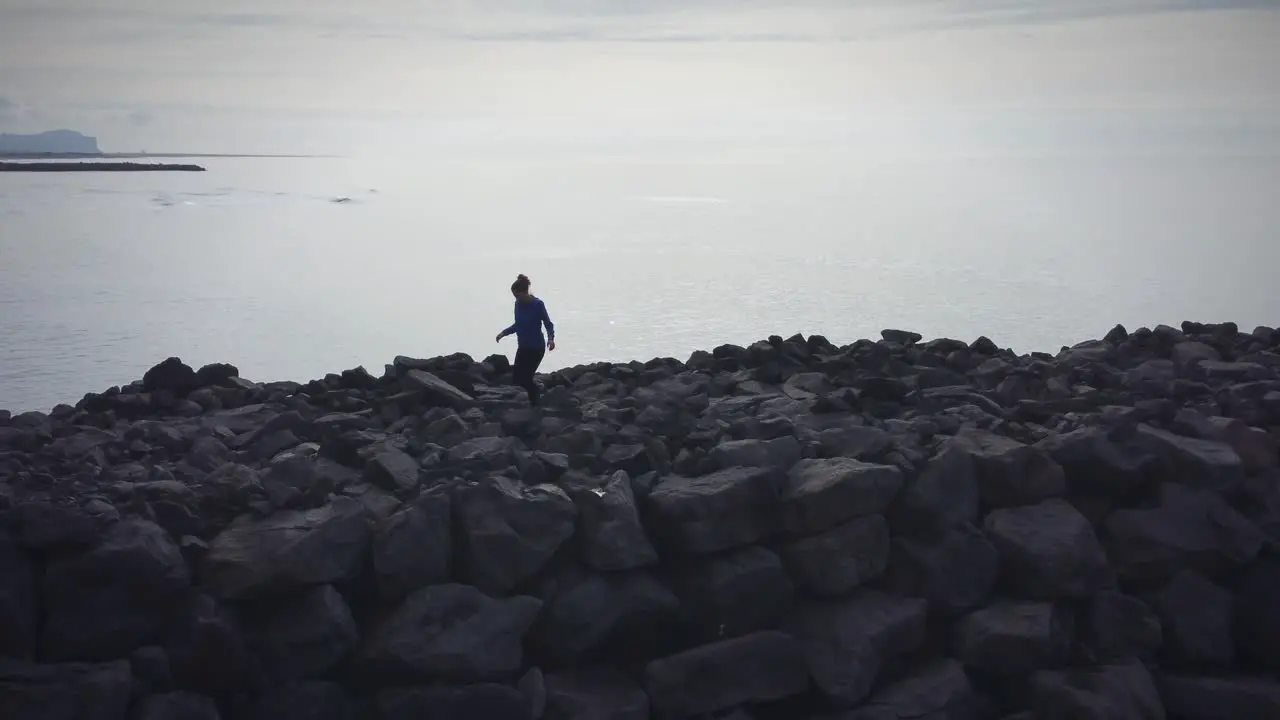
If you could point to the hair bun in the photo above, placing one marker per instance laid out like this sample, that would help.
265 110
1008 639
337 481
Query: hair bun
522 277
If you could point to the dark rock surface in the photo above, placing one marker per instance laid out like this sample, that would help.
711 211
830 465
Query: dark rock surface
886 530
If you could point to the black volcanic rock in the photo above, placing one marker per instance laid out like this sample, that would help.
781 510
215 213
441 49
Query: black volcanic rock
787 529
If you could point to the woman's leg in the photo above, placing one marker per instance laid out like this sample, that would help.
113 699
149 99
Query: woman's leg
535 359
524 368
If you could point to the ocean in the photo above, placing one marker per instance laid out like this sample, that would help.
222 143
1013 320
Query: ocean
1036 231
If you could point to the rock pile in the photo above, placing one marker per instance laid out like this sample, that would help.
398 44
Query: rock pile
887 530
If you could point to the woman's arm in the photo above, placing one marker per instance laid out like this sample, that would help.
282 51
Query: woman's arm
551 327
506 332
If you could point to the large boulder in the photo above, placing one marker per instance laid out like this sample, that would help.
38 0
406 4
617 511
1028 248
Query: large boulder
1115 626
943 496
846 643
104 603
938 691
69 690
1108 693
591 693
763 666
587 612
310 636
17 600
820 494
954 572
1257 624
453 632
1048 551
289 550
734 593
1014 638
1197 616
1217 698
482 700
780 453
413 548
437 391
308 700
1010 473
726 509
508 532
1197 463
610 534
840 559
1189 528
178 705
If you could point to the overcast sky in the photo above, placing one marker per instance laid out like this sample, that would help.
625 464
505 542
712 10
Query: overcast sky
329 76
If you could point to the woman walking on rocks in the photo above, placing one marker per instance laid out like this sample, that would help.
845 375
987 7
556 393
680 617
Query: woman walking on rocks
531 314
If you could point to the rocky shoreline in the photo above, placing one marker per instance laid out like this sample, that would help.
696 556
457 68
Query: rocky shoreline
895 529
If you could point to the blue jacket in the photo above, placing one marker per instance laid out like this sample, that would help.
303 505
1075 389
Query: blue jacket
530 317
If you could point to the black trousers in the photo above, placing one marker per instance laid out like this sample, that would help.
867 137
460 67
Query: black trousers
523 369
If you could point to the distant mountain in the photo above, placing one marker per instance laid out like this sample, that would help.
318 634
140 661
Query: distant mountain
52 141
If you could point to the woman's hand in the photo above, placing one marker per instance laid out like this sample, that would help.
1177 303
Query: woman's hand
551 345
499 338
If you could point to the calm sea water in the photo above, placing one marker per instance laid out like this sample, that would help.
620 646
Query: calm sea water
1037 236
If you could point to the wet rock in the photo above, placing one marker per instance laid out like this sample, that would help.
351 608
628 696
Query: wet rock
289 550
610 534
840 559
726 509
847 643
454 632
1014 638
1048 551
509 532
821 494
592 693
763 666
104 603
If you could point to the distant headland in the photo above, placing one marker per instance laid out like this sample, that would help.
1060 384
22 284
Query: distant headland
48 143
56 147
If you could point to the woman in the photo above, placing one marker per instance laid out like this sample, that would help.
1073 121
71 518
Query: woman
531 314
